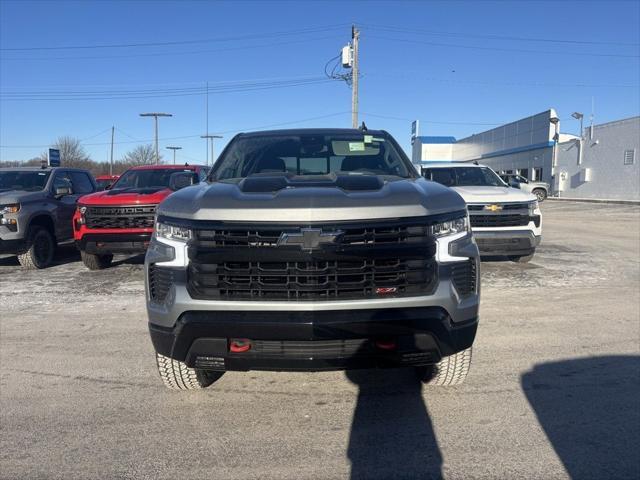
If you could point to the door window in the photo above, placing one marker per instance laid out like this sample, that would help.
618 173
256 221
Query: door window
81 183
61 180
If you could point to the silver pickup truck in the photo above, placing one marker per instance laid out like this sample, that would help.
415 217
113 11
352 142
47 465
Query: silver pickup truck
315 249
36 208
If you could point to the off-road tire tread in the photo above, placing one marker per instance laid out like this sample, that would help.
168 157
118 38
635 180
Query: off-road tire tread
95 262
177 376
451 370
26 259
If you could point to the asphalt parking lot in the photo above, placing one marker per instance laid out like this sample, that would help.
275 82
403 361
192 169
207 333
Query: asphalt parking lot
554 391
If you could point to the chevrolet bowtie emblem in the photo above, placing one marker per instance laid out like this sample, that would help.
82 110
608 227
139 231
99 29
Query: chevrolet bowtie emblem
493 208
309 238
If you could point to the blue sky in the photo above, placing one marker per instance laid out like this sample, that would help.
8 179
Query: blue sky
459 67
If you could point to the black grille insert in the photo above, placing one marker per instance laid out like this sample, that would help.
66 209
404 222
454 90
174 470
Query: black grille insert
311 280
160 280
134 216
268 237
347 348
499 220
464 277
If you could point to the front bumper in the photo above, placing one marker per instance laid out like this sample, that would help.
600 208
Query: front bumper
12 247
508 242
310 341
109 243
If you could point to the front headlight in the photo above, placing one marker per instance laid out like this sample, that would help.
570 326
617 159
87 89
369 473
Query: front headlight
11 208
171 232
450 227
533 206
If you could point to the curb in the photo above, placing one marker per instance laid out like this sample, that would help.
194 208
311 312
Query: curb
596 200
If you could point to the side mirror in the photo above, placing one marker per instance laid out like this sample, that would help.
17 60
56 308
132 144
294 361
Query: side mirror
514 183
180 180
62 191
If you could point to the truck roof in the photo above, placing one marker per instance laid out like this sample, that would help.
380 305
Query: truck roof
167 167
40 169
451 165
312 131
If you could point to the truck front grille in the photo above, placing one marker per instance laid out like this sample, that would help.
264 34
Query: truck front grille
353 260
499 220
505 206
463 275
268 237
121 217
312 280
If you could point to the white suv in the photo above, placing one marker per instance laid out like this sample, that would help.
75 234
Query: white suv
505 221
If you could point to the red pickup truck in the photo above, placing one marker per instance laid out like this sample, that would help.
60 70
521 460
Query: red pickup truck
121 219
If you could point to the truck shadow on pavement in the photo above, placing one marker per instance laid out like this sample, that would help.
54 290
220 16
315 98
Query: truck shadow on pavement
391 433
589 409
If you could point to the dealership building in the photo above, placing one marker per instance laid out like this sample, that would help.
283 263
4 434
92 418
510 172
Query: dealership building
602 163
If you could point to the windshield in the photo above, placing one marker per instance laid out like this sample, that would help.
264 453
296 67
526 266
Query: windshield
311 155
23 180
464 177
103 183
157 177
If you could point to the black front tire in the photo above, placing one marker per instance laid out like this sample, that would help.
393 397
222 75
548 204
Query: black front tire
177 376
41 247
540 194
451 370
95 262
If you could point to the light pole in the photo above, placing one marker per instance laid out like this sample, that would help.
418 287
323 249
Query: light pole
155 115
578 116
174 152
209 136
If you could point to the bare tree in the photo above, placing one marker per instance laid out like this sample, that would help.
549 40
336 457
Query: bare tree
141 155
72 154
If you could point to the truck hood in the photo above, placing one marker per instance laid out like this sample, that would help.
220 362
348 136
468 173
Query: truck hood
231 202
127 196
20 196
493 194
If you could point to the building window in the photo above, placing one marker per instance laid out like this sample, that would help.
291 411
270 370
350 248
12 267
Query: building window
537 174
524 172
629 157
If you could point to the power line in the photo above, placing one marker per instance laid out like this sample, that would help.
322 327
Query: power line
501 49
389 117
391 28
65 96
96 135
259 127
165 53
323 28
413 75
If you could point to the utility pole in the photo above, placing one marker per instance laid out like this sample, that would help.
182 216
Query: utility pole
207 126
174 152
355 38
113 128
209 136
155 115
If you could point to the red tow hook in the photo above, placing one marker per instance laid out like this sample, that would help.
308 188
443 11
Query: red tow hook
239 345
386 344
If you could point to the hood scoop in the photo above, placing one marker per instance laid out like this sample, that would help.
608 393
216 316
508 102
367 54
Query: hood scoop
138 191
273 183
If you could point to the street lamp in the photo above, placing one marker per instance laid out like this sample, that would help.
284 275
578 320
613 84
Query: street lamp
208 136
578 116
174 152
155 115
